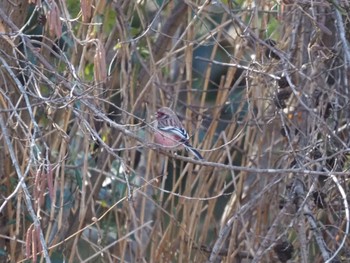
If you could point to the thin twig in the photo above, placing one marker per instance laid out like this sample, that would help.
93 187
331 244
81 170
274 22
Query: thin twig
211 61
347 216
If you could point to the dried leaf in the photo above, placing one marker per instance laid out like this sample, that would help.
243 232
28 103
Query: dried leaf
86 9
53 20
100 71
34 246
42 186
29 240
37 231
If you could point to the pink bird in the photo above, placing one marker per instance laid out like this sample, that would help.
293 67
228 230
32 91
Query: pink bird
170 132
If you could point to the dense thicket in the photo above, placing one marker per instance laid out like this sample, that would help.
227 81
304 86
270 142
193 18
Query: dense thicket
262 88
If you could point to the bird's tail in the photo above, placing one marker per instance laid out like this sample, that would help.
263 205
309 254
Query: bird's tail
189 148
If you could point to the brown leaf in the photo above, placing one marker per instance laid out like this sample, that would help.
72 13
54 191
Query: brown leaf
42 186
34 245
37 231
100 71
53 20
29 240
86 9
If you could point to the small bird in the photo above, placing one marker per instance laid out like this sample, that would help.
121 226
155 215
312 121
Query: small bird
170 132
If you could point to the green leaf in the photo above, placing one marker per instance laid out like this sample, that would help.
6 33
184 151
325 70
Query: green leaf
272 28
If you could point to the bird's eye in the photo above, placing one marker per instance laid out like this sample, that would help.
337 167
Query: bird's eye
160 114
